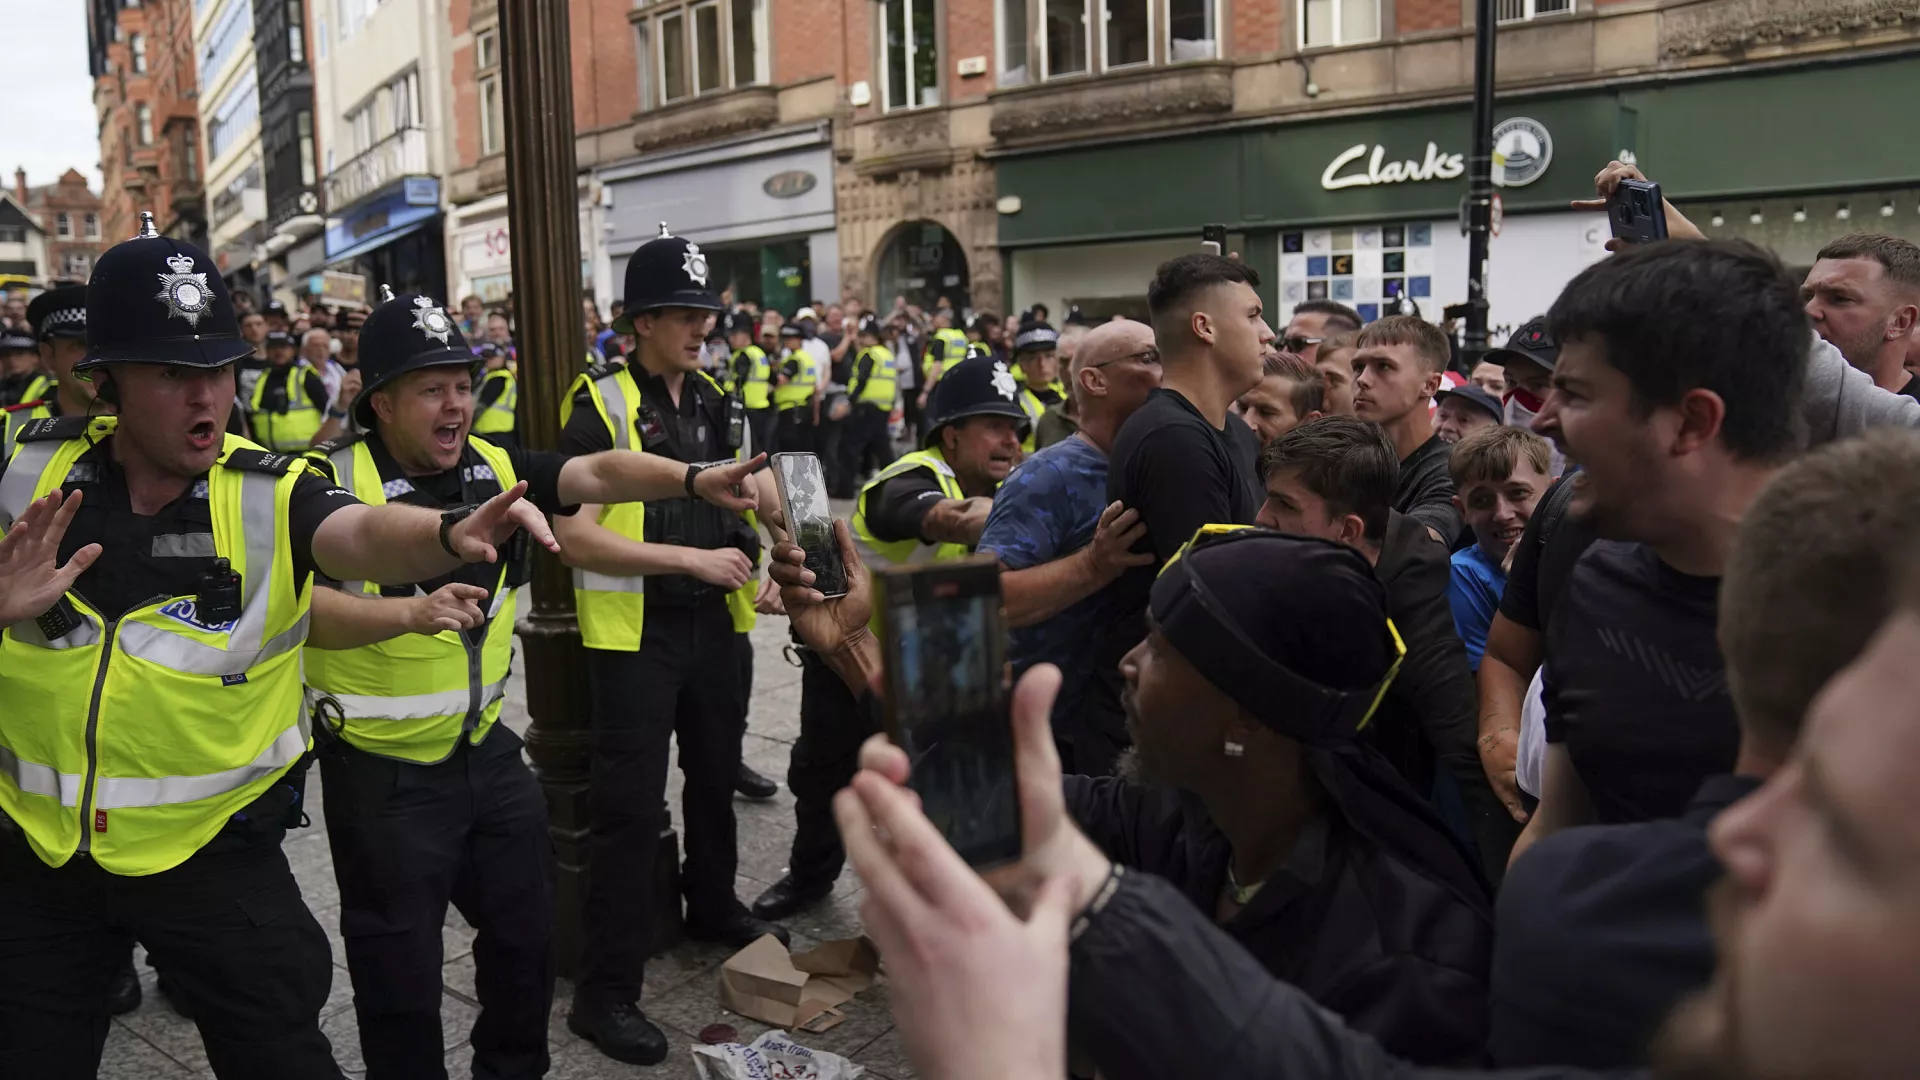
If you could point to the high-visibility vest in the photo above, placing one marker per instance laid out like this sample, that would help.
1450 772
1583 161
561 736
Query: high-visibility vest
954 349
880 388
17 417
880 554
498 417
753 390
1031 404
798 390
135 739
612 610
292 431
413 697
38 388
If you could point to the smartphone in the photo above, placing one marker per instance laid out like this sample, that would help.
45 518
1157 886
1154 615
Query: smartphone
947 700
1637 212
1213 239
803 499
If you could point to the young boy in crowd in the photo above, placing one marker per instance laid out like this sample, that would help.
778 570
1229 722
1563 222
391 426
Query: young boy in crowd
1499 473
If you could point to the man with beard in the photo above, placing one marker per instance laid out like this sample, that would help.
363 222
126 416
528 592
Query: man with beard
1863 294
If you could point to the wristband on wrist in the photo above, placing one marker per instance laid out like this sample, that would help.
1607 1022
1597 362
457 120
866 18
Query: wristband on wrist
1099 903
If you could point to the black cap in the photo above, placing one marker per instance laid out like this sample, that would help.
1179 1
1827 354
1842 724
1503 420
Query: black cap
17 341
274 307
405 334
157 300
667 271
1476 395
792 330
980 385
281 337
59 312
1533 341
487 350
1075 317
741 323
1291 627
1035 336
869 326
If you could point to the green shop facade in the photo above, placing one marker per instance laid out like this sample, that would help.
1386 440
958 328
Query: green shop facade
1365 208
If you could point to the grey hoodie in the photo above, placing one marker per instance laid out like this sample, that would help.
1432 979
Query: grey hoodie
1842 401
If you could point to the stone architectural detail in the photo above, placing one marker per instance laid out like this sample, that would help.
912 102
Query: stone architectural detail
706 118
1735 26
871 210
1154 98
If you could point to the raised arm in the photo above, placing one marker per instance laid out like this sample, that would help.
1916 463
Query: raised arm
397 544
1038 593
616 476
956 521
343 621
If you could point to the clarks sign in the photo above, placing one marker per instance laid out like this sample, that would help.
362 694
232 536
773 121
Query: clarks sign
1522 150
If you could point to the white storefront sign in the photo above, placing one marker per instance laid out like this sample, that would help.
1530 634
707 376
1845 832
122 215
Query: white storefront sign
1522 151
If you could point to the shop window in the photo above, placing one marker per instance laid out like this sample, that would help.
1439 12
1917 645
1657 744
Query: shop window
910 76
1013 43
923 262
1338 22
1370 268
1131 33
701 48
1521 10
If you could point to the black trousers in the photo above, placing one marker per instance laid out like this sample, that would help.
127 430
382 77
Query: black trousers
228 925
795 432
760 422
684 681
825 757
409 839
866 442
911 413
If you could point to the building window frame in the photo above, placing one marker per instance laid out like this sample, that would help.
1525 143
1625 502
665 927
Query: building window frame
486 62
1337 20
143 122
296 33
1096 17
137 46
1515 11
676 26
92 225
63 224
916 92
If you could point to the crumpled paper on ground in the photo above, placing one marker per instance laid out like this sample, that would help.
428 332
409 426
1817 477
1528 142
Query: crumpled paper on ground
800 990
773 1056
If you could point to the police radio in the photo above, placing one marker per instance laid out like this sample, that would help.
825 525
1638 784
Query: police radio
219 598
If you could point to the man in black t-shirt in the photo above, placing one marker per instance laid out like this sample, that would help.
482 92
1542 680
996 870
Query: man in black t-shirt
1182 459
1397 363
1680 371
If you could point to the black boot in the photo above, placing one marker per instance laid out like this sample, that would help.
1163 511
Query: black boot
123 994
787 897
621 1032
736 929
751 785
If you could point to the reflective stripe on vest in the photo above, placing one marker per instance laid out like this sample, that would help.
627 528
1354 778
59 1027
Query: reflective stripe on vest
880 554
880 385
291 431
955 350
498 417
15 420
137 738
754 390
612 610
413 697
798 390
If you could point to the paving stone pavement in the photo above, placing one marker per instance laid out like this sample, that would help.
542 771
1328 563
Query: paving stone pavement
682 987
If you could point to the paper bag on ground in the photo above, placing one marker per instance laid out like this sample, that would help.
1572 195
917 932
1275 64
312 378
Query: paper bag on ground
763 982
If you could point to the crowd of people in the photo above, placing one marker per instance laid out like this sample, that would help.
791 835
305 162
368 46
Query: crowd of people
1375 714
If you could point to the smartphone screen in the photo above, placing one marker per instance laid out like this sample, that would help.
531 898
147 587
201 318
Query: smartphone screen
803 499
947 701
1213 239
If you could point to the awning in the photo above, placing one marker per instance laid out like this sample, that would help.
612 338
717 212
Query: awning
376 243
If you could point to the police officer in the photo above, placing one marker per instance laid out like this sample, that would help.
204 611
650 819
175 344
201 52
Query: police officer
498 397
930 504
289 403
651 585
57 320
750 376
796 395
1037 371
21 379
946 346
428 799
152 717
874 389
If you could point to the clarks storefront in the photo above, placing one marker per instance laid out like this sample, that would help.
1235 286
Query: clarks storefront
1366 209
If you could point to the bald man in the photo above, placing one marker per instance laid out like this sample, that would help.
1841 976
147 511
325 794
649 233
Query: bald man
1060 544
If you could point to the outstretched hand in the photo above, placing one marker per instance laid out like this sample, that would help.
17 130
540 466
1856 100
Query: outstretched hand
31 578
452 606
730 486
478 538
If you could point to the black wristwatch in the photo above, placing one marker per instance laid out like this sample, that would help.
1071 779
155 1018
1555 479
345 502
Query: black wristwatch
450 518
692 471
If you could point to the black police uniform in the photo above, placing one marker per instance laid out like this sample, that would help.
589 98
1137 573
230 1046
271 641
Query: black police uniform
685 680
409 838
228 924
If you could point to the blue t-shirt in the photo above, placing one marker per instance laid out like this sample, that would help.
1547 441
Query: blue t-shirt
1048 508
1474 594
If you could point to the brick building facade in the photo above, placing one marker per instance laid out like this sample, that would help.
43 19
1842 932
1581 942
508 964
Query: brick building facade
71 215
145 95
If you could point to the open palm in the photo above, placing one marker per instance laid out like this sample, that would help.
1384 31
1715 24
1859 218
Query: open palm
31 577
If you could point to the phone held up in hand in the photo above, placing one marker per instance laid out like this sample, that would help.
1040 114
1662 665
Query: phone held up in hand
947 701
1637 212
803 499
1213 239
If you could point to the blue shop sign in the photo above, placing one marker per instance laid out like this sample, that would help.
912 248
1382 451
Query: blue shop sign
383 219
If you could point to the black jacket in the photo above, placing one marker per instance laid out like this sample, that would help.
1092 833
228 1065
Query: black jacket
1158 991
1425 492
1432 710
1398 951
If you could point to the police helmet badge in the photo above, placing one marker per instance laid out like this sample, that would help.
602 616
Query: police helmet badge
1003 380
695 264
185 293
430 320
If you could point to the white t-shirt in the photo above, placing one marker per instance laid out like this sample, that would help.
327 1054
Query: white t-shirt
1531 756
